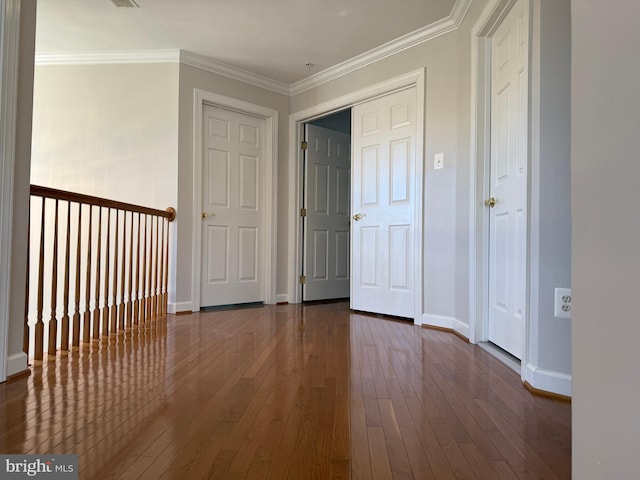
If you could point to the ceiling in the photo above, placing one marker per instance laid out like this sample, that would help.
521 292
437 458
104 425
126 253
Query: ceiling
272 38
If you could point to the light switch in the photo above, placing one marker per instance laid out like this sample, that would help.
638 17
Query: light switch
438 160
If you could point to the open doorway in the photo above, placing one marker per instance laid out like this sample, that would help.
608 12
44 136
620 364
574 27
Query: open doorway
387 137
326 208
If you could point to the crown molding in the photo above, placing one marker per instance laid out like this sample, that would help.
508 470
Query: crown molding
162 56
100 58
205 63
434 30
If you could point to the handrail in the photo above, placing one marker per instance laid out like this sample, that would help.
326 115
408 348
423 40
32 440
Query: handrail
40 191
103 242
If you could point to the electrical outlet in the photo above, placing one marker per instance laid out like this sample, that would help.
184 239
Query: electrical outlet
562 305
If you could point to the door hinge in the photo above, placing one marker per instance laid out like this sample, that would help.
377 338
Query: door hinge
303 212
303 279
304 145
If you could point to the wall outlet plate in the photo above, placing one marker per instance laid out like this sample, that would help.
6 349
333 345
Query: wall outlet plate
562 303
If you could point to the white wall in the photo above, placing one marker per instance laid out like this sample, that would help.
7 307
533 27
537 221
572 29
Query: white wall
190 79
108 130
605 175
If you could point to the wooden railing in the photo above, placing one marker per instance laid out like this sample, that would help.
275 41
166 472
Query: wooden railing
112 275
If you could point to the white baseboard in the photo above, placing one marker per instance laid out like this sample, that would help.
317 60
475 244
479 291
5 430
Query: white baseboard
282 298
548 380
16 363
461 328
439 321
179 307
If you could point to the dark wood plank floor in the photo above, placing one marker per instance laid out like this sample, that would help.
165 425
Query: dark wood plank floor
287 392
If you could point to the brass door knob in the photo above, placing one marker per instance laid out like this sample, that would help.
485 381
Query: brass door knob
358 216
207 215
491 202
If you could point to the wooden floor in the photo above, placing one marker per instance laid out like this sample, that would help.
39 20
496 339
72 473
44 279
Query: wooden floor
287 392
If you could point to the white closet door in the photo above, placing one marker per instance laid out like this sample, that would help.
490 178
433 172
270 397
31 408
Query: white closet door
383 203
232 198
327 197
508 187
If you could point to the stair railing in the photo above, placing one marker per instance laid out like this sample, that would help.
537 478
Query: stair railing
102 266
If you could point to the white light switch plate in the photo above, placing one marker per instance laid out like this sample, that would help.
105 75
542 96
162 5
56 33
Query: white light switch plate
438 160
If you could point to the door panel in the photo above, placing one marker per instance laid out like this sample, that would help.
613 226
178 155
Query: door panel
216 265
400 172
369 267
248 265
233 146
509 146
384 138
320 255
326 226
249 182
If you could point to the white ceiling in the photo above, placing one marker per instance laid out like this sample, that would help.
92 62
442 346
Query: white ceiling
273 38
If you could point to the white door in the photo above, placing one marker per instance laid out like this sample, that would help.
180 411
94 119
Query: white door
232 212
326 225
508 184
382 204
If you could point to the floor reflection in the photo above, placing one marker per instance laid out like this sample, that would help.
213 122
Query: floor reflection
95 402
286 392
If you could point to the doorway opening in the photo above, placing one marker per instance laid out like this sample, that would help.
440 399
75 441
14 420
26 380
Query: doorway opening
326 208
499 267
386 172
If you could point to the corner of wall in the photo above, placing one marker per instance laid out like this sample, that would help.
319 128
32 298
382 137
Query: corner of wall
548 381
17 363
179 307
463 329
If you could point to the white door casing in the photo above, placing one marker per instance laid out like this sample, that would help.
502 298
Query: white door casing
326 224
232 164
508 182
415 79
9 59
383 204
267 181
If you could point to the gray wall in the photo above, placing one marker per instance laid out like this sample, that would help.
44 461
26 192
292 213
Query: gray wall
446 192
440 57
106 129
191 78
340 121
550 219
446 202
605 175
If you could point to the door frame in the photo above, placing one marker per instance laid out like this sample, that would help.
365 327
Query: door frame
480 160
9 59
306 230
269 183
415 78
